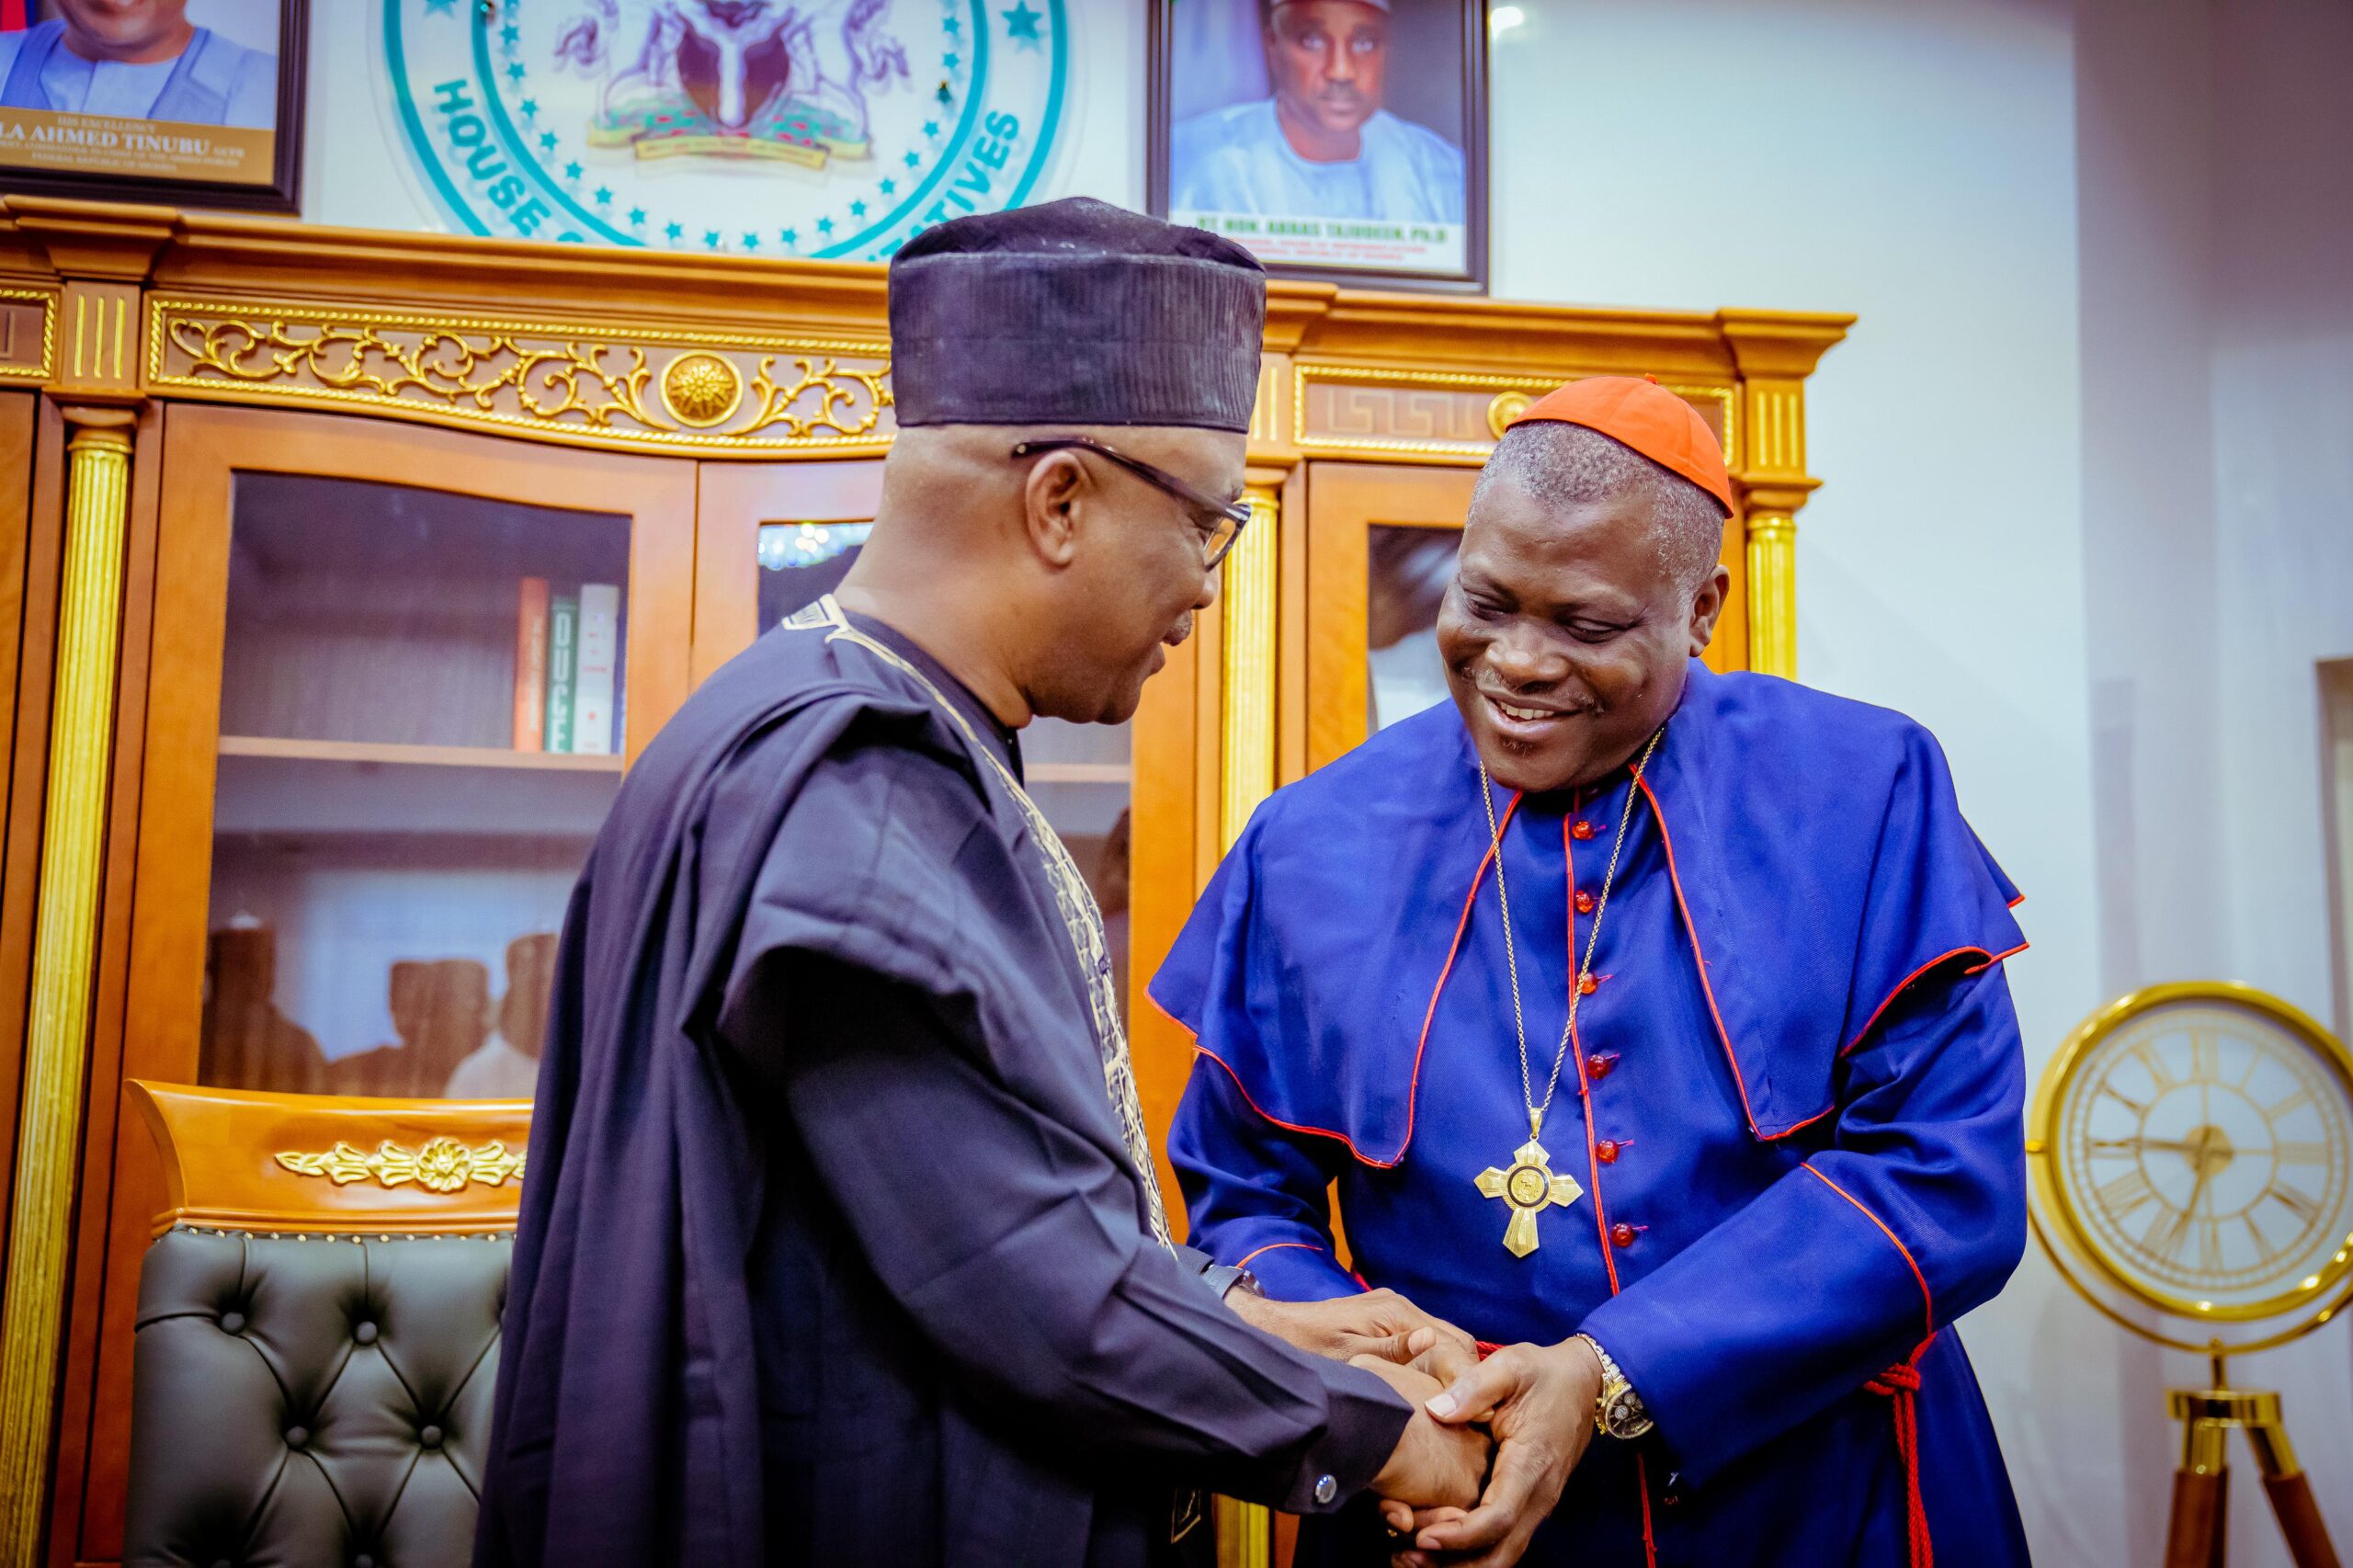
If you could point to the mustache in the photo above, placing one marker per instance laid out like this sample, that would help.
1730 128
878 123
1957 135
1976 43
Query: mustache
1545 705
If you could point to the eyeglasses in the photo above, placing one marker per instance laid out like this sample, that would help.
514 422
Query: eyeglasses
1230 517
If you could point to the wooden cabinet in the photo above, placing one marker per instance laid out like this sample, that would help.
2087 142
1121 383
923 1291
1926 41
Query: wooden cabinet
276 506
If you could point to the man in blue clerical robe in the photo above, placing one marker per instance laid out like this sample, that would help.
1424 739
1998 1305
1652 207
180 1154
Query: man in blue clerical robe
1784 1152
143 60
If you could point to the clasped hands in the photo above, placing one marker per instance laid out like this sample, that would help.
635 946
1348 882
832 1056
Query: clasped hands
1528 1408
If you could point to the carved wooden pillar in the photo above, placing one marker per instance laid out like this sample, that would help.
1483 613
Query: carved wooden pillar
66 932
1775 353
96 384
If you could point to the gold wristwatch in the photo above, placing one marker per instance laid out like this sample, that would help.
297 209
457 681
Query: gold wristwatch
1617 1410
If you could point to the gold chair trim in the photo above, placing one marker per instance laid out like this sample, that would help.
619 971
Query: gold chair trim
440 1165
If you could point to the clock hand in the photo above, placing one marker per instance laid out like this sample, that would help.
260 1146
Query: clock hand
2199 1150
2171 1145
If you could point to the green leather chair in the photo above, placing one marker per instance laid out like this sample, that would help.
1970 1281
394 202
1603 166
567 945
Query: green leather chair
318 1328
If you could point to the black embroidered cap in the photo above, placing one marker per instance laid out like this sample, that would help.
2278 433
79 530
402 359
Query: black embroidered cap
1075 312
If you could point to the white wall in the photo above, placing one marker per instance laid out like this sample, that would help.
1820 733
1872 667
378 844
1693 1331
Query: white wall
2217 214
1914 164
2144 126
2281 393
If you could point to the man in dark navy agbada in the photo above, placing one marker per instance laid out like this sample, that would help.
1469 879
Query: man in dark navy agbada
840 1243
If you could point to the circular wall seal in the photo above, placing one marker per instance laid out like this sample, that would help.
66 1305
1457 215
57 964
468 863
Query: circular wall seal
828 129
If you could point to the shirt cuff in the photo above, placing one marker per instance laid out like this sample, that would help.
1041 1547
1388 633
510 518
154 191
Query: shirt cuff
1366 1418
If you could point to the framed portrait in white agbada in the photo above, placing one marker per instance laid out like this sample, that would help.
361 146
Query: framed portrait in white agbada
193 101
1336 138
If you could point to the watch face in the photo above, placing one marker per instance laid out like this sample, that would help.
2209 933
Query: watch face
1624 1416
2200 1155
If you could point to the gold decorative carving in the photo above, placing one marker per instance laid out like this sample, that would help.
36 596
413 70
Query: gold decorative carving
701 389
1504 407
1436 415
64 950
1777 425
28 335
777 402
549 385
442 1165
1264 426
102 358
593 384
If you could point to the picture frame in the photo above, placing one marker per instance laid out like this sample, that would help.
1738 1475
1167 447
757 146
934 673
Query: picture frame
223 126
1404 203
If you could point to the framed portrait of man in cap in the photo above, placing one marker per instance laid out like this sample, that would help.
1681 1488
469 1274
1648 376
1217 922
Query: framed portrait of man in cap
196 101
1341 139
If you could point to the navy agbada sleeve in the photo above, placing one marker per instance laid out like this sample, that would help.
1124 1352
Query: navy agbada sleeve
981 1194
1914 1213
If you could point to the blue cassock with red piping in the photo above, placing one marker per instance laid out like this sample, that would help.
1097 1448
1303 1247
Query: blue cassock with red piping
1794 1100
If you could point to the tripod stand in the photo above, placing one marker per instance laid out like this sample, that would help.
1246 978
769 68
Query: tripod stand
2202 1487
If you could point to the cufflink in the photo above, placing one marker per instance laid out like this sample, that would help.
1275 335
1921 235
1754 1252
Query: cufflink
1325 1490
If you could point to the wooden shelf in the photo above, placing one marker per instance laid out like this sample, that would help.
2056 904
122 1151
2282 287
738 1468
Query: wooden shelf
1078 773
430 757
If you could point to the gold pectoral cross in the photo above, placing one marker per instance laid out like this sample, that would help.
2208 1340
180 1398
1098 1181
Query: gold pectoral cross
1531 1188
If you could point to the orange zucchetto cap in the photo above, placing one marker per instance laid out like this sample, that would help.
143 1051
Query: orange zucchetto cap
1643 415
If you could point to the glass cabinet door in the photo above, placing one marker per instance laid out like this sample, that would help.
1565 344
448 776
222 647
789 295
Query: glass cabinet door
422 722
1382 540
425 679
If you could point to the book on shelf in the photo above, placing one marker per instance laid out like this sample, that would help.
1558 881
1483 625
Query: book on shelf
594 673
563 668
531 664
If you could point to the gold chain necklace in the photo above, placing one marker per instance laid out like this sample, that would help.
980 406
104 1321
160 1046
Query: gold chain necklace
1529 1185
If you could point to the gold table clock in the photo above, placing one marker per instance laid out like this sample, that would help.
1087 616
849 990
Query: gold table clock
2191 1148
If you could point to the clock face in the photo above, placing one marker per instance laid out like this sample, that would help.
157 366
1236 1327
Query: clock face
2200 1151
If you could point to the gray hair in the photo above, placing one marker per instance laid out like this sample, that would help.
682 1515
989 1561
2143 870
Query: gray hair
1569 465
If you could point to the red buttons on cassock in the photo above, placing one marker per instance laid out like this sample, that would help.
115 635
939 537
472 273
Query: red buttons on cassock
1580 829
1587 986
1607 1153
1599 1066
1621 1235
1585 902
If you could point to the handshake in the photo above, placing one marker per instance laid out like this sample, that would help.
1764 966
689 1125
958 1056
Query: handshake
1491 1443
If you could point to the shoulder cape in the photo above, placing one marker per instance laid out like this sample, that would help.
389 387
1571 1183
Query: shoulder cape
1819 860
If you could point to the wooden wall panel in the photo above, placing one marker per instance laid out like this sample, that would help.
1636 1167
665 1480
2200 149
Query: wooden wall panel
1161 879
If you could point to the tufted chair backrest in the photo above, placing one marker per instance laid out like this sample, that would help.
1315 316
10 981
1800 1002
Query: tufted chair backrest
303 1391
